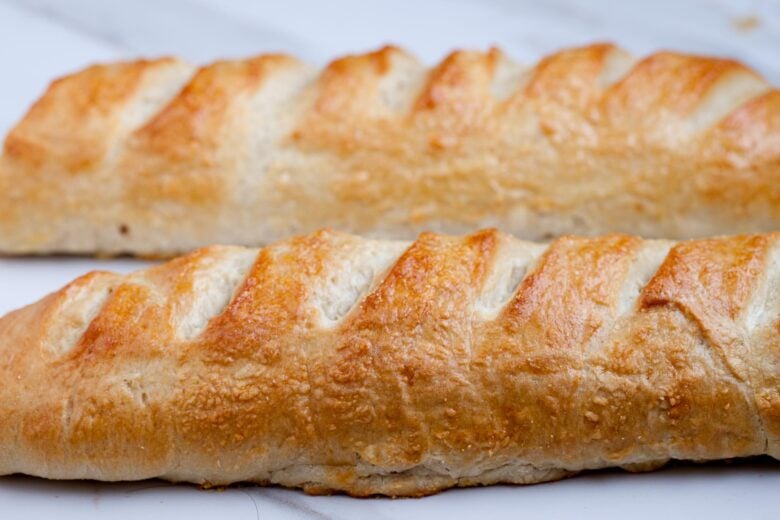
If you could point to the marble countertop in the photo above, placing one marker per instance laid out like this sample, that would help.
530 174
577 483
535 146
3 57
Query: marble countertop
43 39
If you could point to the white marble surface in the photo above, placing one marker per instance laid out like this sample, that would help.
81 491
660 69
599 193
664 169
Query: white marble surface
42 39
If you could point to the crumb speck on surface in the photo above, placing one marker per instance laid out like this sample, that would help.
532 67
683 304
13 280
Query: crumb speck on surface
745 23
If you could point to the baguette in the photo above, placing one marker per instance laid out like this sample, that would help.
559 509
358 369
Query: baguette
336 363
155 157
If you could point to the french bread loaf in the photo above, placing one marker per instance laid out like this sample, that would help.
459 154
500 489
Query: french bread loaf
156 157
336 363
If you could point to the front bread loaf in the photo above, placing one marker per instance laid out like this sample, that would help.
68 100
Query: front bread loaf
332 362
155 157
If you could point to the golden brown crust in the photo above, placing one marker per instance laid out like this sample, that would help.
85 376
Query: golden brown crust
668 82
69 123
149 158
335 363
176 155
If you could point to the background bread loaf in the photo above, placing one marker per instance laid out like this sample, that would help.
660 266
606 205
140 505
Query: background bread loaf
332 362
157 157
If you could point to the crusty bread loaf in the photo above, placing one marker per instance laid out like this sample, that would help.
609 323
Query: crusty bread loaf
331 362
154 157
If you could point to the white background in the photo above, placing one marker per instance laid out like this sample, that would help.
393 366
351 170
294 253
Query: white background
42 39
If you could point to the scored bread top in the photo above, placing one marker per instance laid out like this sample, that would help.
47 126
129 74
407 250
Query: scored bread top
330 361
157 157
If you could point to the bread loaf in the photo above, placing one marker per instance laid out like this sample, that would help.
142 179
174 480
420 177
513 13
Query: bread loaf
156 157
336 363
